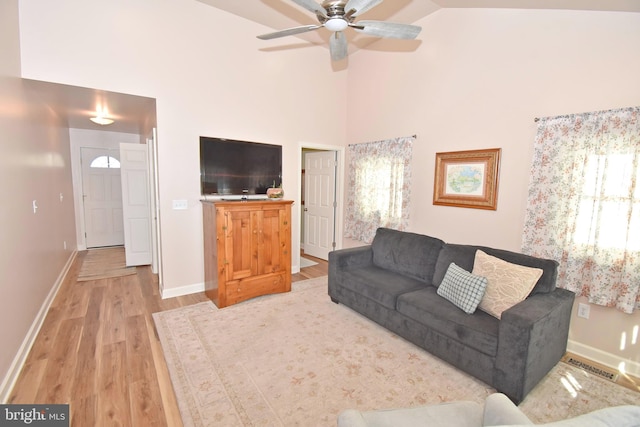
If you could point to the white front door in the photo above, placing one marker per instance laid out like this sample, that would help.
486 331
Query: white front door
136 204
102 198
319 203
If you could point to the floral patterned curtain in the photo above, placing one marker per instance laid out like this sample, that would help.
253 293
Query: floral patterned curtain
584 204
378 187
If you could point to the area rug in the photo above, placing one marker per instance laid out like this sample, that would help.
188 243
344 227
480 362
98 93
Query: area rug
103 264
299 359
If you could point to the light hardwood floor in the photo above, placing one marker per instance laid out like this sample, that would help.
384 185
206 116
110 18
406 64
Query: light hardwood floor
98 351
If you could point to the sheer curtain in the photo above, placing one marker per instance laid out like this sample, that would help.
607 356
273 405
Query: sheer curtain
583 206
378 188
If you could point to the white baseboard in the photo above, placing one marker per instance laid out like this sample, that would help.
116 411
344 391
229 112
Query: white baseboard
9 381
611 360
182 290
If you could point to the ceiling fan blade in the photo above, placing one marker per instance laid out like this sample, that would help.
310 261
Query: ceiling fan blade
360 6
338 46
289 32
387 29
311 6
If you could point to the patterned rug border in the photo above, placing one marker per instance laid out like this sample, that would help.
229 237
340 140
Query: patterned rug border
565 392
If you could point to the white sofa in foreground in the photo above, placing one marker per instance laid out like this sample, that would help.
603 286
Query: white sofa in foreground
498 410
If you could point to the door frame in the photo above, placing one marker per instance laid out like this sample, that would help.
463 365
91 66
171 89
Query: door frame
338 225
104 139
78 141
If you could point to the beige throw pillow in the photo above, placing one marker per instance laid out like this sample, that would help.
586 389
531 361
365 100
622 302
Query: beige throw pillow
508 284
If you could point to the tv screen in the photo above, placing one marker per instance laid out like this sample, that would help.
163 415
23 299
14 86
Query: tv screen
230 167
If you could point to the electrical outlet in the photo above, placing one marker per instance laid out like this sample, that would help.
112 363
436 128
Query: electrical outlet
583 310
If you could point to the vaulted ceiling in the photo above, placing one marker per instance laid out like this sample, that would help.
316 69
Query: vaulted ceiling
282 14
76 105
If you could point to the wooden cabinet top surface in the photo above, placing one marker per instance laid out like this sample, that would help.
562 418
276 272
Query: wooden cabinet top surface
248 203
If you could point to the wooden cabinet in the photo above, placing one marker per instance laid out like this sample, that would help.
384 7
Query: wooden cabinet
247 249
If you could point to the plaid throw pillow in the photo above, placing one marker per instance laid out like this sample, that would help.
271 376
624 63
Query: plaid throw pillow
463 289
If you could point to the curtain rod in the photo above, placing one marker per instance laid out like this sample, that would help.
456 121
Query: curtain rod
414 136
564 116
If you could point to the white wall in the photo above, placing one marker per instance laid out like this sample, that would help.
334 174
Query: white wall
478 80
209 75
9 38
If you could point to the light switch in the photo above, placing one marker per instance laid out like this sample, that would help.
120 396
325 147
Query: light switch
180 204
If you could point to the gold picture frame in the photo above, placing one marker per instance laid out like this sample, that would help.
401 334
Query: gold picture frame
467 179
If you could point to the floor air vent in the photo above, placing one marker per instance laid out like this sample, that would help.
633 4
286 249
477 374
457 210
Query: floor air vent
602 373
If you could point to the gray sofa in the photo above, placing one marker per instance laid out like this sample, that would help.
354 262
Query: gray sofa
394 282
496 411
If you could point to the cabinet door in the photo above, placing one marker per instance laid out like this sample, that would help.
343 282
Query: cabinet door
239 238
269 244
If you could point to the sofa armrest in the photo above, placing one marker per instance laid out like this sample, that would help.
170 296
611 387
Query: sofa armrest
500 411
351 257
342 260
532 338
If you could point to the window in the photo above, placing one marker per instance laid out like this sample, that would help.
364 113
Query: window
378 191
105 162
583 207
609 210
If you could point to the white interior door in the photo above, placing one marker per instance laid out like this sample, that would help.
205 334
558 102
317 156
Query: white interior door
320 206
136 203
102 198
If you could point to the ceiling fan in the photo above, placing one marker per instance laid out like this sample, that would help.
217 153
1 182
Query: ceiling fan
338 15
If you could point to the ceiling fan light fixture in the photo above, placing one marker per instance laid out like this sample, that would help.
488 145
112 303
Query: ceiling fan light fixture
101 120
336 24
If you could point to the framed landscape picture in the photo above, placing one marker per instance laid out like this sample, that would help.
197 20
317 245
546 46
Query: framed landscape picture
467 179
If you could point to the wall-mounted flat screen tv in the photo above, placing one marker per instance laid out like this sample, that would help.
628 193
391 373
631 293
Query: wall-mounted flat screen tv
230 167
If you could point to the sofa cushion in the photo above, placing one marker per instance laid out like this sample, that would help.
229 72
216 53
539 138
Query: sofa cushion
464 256
462 289
508 284
379 285
410 254
478 331
615 416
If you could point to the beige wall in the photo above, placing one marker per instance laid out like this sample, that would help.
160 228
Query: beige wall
34 165
478 80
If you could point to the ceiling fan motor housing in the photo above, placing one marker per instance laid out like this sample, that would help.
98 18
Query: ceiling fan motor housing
334 7
336 19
